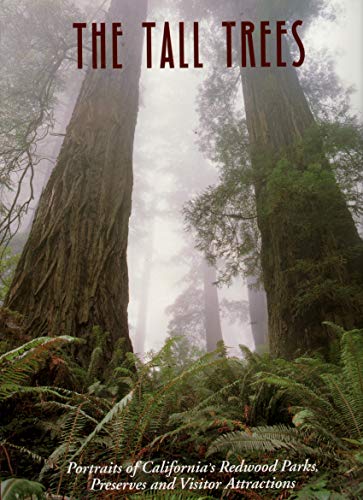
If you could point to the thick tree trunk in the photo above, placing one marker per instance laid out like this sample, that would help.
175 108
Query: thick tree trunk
312 255
72 274
211 303
258 313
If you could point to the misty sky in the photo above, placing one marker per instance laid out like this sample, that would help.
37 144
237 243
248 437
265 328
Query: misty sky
345 40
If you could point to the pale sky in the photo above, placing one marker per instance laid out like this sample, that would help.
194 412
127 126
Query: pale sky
344 37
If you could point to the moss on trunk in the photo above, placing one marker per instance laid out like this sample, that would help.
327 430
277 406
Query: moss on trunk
312 255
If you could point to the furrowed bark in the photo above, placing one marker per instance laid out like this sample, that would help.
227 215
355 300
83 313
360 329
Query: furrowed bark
73 274
299 255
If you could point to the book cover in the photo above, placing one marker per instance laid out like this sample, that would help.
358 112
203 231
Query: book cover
181 253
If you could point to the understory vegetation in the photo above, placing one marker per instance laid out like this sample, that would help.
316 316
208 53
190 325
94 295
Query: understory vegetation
215 408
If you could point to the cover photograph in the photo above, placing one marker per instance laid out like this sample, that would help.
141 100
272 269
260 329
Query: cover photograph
181 249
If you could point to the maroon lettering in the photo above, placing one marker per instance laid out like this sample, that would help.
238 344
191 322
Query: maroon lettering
280 32
98 35
265 30
229 25
116 33
80 27
167 56
149 57
247 43
295 34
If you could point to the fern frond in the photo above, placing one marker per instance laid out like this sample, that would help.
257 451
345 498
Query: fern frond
18 365
348 414
21 488
260 439
21 351
301 393
54 459
24 451
352 357
156 400
115 410
55 405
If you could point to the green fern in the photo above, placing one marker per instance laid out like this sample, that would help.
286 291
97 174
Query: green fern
115 410
333 398
21 489
314 408
352 359
266 439
20 364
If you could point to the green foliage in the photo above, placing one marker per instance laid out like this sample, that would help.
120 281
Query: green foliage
187 315
95 366
132 427
299 190
343 146
223 219
261 439
19 390
298 195
326 401
8 262
212 408
21 489
332 404
318 490
19 365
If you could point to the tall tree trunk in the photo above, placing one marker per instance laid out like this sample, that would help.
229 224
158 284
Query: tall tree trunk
312 255
144 293
258 312
211 303
72 274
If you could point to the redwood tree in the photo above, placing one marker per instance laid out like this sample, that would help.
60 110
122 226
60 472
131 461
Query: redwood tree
312 255
212 320
73 274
